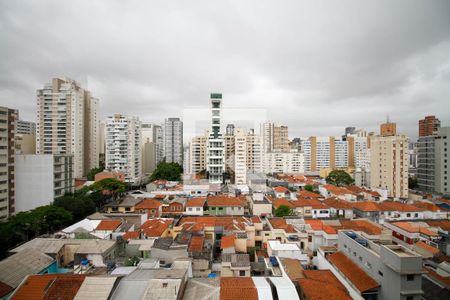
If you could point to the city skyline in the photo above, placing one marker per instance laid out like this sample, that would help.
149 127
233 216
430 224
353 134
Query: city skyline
302 62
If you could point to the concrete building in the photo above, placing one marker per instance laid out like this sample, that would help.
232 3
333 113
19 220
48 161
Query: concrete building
152 147
101 143
429 126
26 127
230 149
274 137
284 162
123 146
426 163
215 153
324 153
388 129
173 140
67 123
8 123
389 164
25 143
240 156
396 269
442 160
42 178
230 129
198 154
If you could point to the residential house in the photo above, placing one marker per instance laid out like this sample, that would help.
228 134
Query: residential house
194 206
235 265
339 208
224 205
174 208
150 206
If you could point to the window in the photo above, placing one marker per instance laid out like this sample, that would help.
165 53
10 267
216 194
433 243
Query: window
380 273
242 273
410 277
410 298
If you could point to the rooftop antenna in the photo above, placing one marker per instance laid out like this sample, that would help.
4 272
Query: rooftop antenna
387 119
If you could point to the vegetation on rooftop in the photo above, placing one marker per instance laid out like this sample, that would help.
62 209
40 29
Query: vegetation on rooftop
283 210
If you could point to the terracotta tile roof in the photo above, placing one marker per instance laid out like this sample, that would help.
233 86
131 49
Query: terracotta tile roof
318 290
318 225
281 189
293 268
444 224
427 247
227 241
355 189
232 288
51 286
358 277
131 235
256 219
280 223
262 253
155 227
397 206
5 289
366 206
360 225
226 201
414 228
428 206
108 225
313 203
336 190
196 202
148 203
196 243
325 276
430 272
337 203
227 222
304 194
278 202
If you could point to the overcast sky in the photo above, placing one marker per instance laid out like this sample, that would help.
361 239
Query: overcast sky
316 67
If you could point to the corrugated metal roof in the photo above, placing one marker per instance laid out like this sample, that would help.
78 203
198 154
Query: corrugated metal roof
27 262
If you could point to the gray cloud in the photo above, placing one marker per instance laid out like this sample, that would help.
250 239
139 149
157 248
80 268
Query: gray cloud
316 66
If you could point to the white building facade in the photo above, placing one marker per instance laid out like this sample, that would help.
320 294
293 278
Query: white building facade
215 152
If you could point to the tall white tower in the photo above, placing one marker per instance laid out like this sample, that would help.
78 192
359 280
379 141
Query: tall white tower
215 152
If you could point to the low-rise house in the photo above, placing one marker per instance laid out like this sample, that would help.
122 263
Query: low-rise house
16 267
311 208
407 233
96 288
200 250
81 229
223 205
123 205
174 208
150 206
282 192
97 251
391 210
321 284
155 228
260 206
238 288
110 174
235 265
168 249
288 250
426 250
339 208
227 244
432 211
329 190
106 228
280 229
194 206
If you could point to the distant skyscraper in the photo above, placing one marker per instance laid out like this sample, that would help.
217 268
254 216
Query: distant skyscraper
428 126
215 152
26 127
388 129
198 155
274 137
325 152
8 119
389 164
173 140
152 147
349 130
67 123
123 146
230 129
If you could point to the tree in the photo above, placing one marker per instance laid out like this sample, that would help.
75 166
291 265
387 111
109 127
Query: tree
92 172
339 178
412 182
167 171
283 210
110 186
80 204
309 187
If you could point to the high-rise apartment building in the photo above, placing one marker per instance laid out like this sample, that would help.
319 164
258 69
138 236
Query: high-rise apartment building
426 163
325 152
240 156
388 129
389 163
123 146
229 145
198 154
442 161
152 147
428 126
255 156
291 162
26 127
274 137
230 129
215 152
8 123
67 123
173 140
